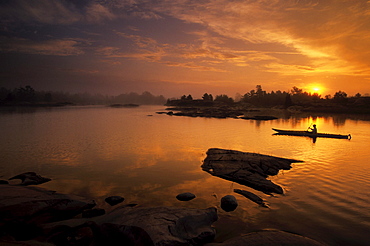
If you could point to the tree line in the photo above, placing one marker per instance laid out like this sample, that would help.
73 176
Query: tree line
28 96
260 98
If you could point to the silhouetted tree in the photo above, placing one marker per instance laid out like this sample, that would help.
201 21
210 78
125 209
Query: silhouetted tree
340 97
207 97
26 94
189 98
295 90
224 98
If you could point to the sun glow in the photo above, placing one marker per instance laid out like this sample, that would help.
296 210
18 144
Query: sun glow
315 89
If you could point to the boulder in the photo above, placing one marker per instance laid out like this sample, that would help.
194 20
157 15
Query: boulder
187 196
269 238
30 178
229 203
246 168
114 200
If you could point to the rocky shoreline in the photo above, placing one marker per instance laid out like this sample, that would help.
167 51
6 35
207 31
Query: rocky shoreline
219 112
31 215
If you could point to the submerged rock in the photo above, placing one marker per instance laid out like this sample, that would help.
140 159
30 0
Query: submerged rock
269 237
30 178
229 203
251 196
114 200
187 196
245 168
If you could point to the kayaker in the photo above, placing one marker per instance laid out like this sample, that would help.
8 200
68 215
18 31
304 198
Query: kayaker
313 129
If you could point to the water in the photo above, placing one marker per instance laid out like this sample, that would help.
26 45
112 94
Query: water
150 158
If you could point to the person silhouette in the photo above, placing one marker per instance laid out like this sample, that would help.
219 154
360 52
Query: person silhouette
313 129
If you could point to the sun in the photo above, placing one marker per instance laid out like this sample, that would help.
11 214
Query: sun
315 89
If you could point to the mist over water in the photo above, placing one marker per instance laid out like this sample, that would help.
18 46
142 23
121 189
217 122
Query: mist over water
101 151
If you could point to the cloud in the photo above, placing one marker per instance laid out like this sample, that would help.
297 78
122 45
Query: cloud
97 13
338 30
39 11
57 47
53 12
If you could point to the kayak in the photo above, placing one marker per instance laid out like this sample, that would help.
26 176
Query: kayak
310 134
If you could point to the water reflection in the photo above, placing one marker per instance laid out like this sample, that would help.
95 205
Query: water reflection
99 151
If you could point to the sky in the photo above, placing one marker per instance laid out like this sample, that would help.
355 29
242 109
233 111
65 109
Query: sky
177 47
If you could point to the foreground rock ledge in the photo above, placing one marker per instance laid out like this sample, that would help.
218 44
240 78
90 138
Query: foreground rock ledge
269 238
246 168
28 213
33 205
166 226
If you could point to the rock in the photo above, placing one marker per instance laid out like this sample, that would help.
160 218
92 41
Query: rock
164 225
89 213
246 168
229 203
187 196
251 196
91 233
4 182
114 200
30 178
31 206
167 225
269 237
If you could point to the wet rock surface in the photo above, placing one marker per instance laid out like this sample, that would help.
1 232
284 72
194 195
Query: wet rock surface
164 225
246 168
168 225
23 209
37 205
269 238
37 216
90 233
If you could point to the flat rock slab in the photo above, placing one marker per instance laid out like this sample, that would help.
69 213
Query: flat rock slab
246 168
269 238
168 225
36 205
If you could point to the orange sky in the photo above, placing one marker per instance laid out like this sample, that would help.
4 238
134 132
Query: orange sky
176 47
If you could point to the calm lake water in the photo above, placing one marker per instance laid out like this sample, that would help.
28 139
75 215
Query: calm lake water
100 151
